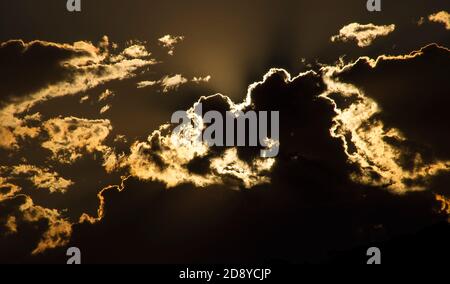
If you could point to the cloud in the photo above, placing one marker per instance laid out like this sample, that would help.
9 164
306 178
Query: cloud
386 155
21 210
199 80
445 204
83 99
52 70
364 35
442 17
166 157
136 51
11 224
170 83
421 21
81 66
8 139
310 195
169 42
105 109
319 170
105 95
58 232
172 157
43 178
7 189
338 149
86 218
69 137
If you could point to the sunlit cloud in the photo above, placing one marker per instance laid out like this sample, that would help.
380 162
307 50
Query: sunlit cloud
57 230
136 51
7 189
83 99
170 83
43 178
144 84
85 71
105 95
199 80
105 109
445 204
442 17
360 130
69 137
364 35
169 42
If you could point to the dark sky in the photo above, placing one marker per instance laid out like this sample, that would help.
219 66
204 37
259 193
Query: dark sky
363 145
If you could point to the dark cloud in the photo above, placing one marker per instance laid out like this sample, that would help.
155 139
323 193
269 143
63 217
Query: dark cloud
417 83
412 99
363 34
37 63
308 213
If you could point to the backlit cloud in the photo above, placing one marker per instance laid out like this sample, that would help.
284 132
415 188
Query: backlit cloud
83 66
364 35
70 137
166 155
105 95
144 84
22 210
169 42
43 178
105 109
170 83
58 232
201 79
366 138
441 17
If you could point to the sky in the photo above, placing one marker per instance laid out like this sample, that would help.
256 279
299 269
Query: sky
89 157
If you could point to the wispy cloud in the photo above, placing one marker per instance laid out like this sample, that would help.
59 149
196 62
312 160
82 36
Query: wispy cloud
169 42
364 35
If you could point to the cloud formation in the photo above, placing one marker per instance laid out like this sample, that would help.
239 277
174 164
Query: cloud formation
339 148
80 67
169 42
20 210
441 17
144 84
105 95
172 83
43 178
384 153
70 137
166 156
199 80
363 34
105 108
